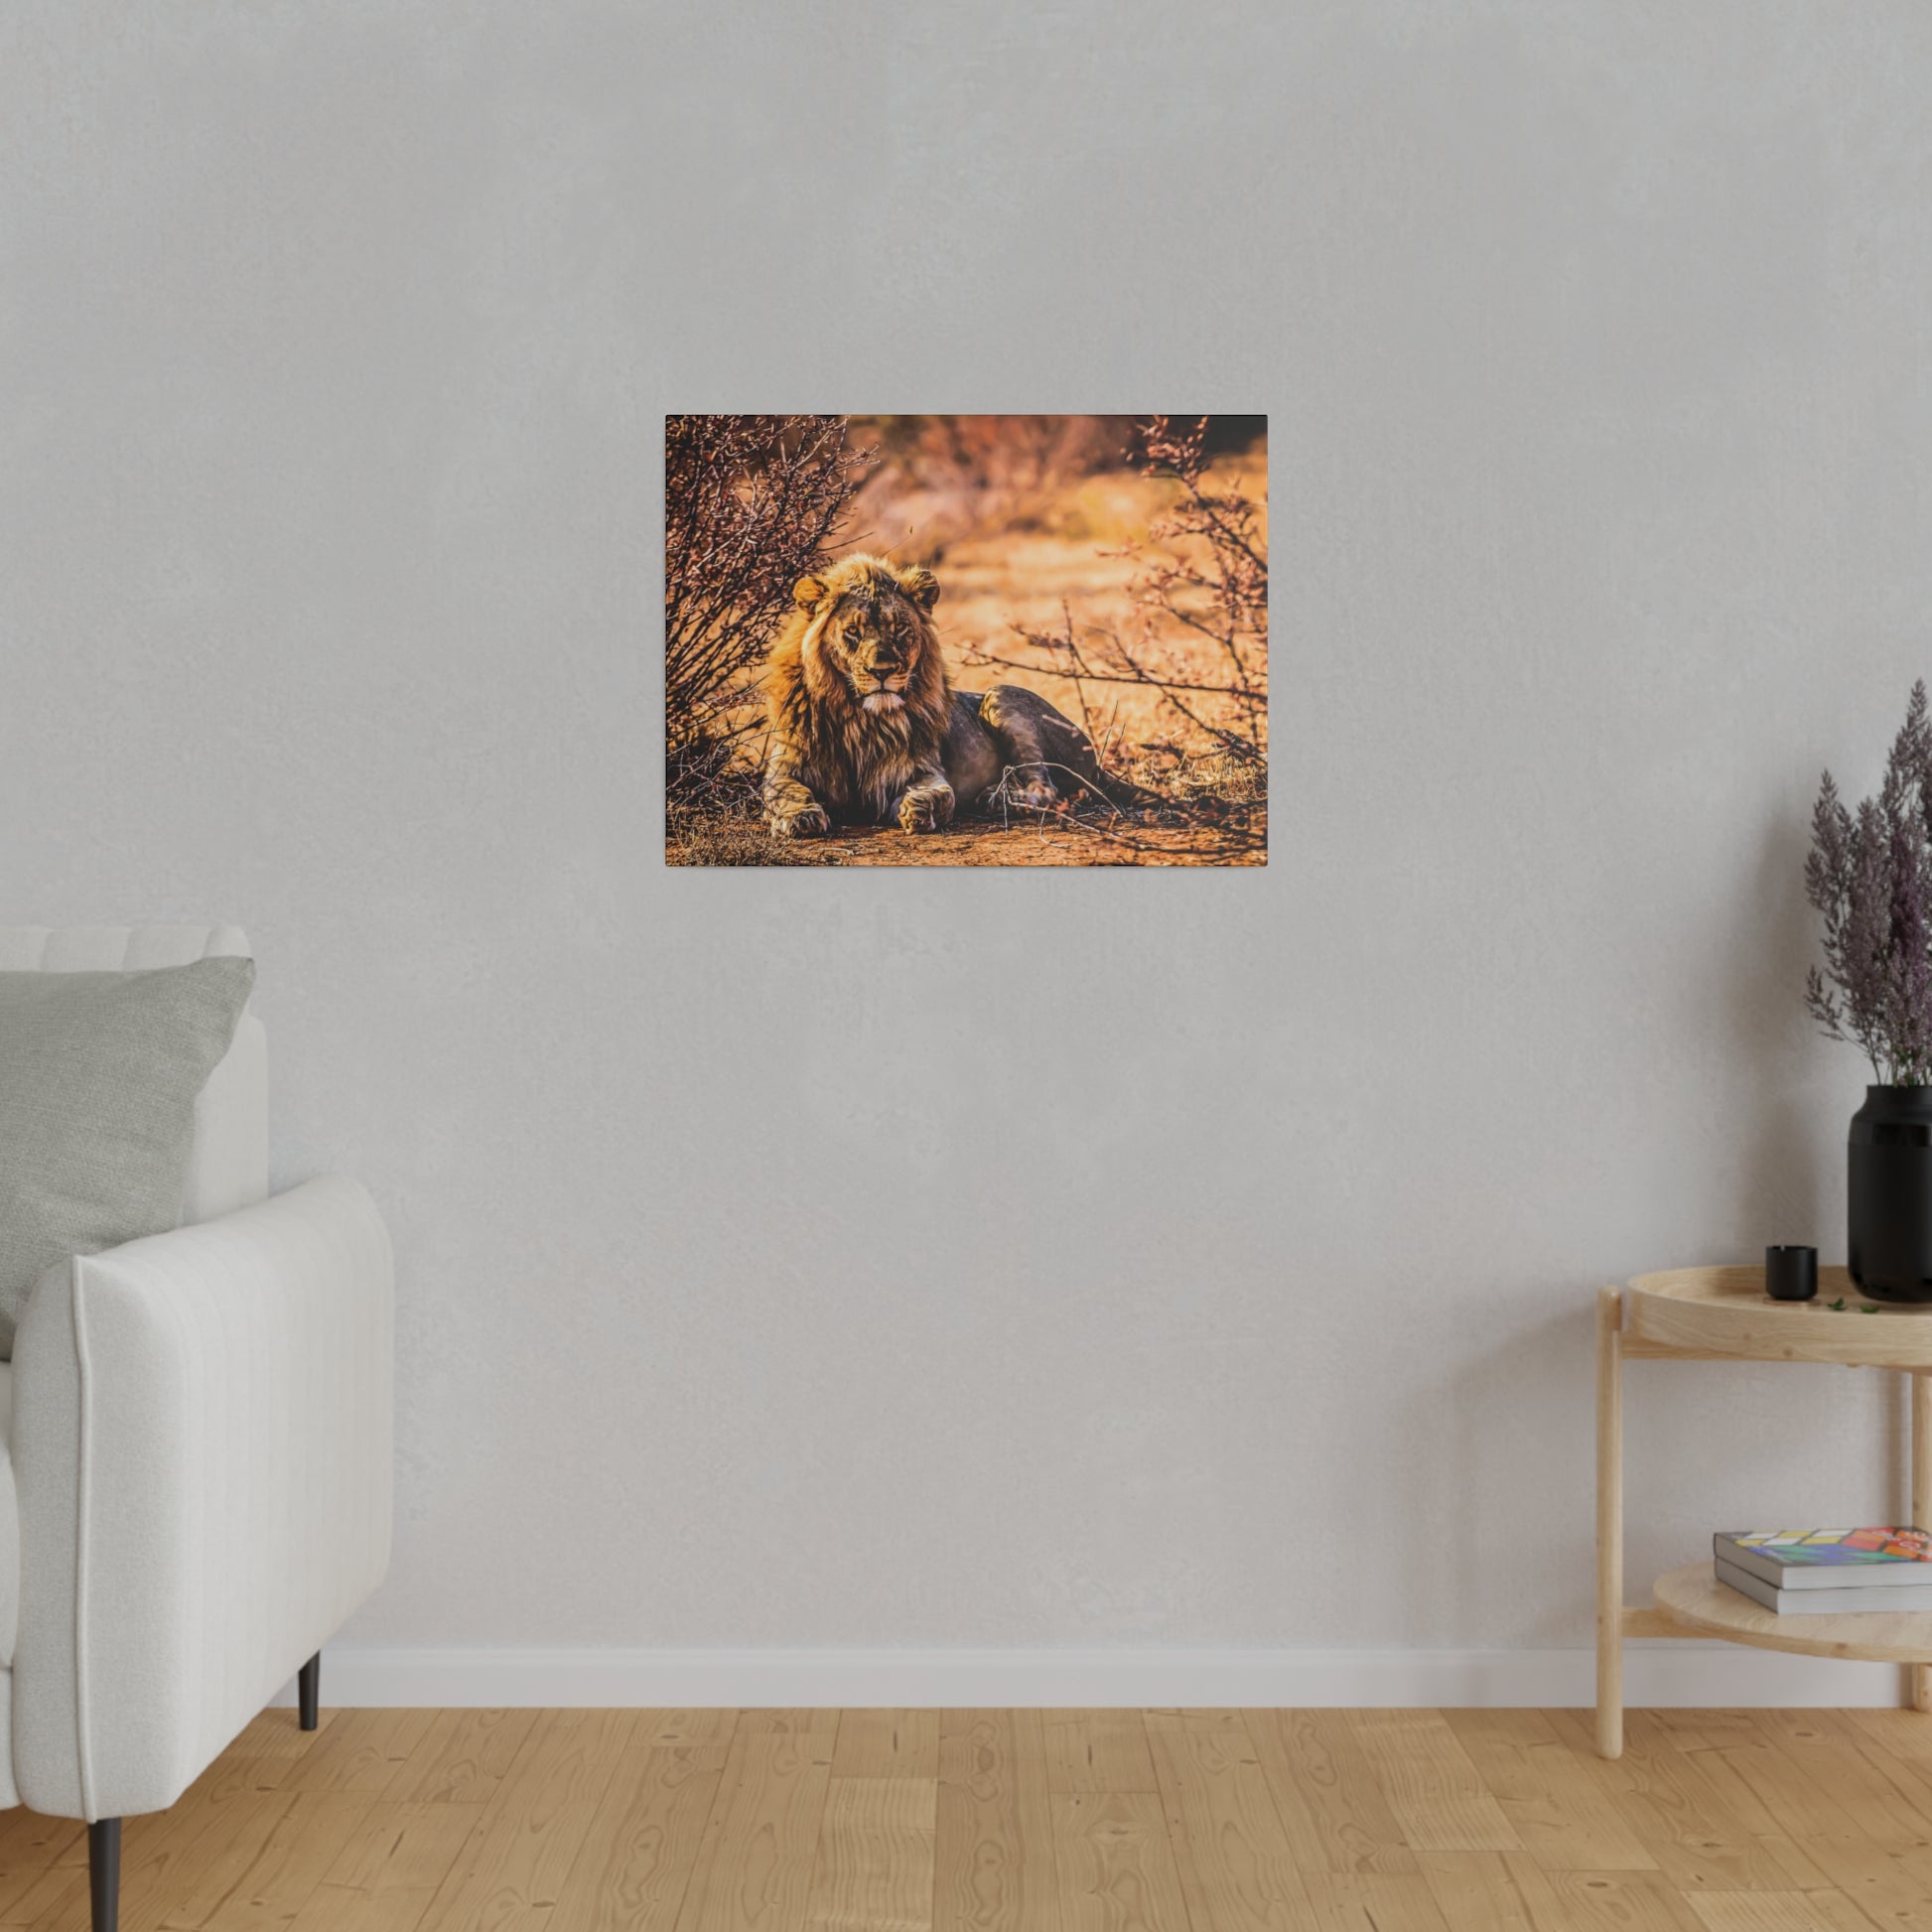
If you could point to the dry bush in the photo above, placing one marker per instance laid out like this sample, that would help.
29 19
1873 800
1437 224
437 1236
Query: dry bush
1007 454
943 479
731 831
1200 579
752 504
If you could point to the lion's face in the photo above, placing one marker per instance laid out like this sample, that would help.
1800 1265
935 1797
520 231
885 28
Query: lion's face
868 627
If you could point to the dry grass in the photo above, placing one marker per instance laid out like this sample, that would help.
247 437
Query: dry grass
730 830
1005 589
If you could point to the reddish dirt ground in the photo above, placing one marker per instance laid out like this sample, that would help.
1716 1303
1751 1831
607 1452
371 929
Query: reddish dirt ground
967 844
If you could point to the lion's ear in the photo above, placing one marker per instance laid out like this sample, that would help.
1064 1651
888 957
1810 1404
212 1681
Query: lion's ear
920 585
810 591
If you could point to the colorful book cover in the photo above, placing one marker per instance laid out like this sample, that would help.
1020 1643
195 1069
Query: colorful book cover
1822 1548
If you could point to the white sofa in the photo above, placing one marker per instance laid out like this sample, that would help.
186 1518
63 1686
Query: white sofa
197 1476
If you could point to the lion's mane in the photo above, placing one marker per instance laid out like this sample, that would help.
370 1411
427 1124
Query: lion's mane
857 760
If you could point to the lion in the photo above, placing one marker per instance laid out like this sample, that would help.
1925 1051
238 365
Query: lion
865 729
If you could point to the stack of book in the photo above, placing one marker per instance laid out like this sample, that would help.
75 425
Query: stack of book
1828 1572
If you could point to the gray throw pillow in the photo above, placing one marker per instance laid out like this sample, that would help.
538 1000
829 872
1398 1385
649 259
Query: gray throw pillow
99 1075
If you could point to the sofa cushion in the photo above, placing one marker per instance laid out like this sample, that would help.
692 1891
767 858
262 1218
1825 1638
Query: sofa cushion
98 1077
228 1168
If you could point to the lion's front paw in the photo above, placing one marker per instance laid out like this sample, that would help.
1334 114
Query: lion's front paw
927 809
807 822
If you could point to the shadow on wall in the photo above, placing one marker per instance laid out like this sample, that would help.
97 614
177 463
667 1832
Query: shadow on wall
1513 1441
1766 1033
1513 1436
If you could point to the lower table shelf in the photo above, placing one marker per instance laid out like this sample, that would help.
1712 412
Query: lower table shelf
1701 1314
1693 1599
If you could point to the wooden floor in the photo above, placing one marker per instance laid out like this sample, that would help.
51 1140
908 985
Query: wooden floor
1028 1820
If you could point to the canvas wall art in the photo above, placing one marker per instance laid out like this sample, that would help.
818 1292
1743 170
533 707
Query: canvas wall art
966 640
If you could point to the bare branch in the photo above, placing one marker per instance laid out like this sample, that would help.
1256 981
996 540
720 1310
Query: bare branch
752 504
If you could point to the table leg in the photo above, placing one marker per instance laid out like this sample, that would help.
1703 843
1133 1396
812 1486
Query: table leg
1609 1522
1921 1674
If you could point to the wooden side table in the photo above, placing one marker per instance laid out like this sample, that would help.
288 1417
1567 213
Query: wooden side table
1706 1315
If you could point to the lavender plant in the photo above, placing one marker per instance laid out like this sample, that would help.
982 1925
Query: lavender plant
1870 874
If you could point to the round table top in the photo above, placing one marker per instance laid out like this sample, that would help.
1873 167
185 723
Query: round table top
1693 1599
1726 1311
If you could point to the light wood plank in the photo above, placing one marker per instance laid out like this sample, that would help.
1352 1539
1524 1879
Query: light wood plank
1699 1729
758 1869
1373 1902
1237 1871
1890 1884
362 1750
1873 1787
1558 1804
63 1898
1116 1867
31 1847
887 1745
1435 1793
1790 1798
50 1856
279 1734
1331 1807
644 1844
686 1726
179 1871
512 1867
386 1876
289 1863
1696 1842
1097 1750
1778 1911
159 1856
1715 1789
798 1722
994 1866
874 1870
463 1758
1898 1734
1705 1769
1489 1891
1617 1901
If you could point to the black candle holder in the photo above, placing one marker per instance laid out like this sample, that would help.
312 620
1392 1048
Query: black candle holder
1791 1274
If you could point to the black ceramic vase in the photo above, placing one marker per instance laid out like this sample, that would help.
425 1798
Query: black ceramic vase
1890 1194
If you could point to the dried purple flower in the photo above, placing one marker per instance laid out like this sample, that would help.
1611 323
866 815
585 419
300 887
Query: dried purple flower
1870 878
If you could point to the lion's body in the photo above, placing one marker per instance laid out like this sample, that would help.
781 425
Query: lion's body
866 729
1008 748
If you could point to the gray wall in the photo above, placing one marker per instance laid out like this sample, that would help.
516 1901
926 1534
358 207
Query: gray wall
967 1259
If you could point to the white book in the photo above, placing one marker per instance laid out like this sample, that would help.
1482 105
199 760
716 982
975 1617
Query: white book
1897 1599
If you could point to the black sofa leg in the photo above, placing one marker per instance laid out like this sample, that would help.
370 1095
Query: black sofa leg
104 1872
308 1686
105 1837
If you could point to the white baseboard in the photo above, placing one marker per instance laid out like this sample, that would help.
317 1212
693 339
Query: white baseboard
1655 1674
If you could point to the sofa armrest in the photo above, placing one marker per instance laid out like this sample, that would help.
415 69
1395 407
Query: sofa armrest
203 1449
